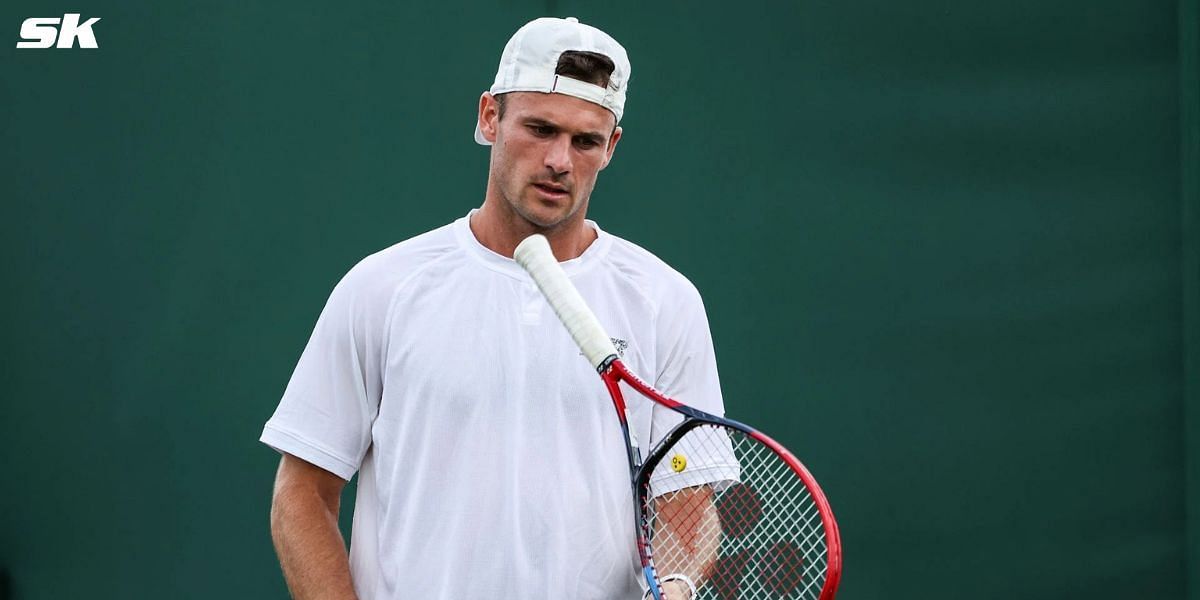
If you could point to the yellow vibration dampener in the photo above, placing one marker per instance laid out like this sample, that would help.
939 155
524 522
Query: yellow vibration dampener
678 463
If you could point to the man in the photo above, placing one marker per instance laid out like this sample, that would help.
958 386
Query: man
490 464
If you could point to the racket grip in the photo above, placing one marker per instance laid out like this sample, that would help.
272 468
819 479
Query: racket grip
535 256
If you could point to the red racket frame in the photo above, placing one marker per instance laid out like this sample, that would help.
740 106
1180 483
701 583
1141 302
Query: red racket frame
613 371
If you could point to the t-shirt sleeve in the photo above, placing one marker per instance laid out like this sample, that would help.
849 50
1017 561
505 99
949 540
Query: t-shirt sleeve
687 364
326 412
687 371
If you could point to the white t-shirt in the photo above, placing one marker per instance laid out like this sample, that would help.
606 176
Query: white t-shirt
490 460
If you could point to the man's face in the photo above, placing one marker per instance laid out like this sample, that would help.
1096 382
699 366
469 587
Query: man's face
546 153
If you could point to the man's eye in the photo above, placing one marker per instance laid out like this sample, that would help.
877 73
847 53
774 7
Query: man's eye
542 130
586 144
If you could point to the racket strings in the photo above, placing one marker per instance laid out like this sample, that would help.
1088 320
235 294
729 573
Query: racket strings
727 512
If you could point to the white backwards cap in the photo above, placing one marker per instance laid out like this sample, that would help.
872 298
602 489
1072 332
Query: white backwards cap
531 55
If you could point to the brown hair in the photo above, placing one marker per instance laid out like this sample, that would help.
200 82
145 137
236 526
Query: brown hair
585 66
591 67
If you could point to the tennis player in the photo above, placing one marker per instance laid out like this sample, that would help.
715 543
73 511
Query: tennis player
490 464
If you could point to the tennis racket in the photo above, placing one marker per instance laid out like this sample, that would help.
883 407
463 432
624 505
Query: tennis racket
723 511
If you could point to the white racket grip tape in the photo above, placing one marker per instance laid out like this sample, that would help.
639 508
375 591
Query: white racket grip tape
535 256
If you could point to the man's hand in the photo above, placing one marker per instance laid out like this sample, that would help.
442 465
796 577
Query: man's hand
676 590
672 589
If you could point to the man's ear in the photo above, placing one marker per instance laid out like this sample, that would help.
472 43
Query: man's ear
489 116
612 147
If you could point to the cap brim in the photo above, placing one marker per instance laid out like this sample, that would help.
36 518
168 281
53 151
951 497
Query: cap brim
479 139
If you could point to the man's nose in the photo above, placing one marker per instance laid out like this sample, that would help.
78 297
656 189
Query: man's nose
558 156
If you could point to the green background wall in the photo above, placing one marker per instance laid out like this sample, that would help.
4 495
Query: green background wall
949 250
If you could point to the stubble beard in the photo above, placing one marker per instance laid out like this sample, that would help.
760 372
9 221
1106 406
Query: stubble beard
522 200
524 203
556 220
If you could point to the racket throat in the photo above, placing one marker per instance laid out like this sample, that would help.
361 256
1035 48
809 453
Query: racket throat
632 447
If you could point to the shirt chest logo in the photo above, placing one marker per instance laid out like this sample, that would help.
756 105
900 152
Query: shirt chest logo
618 343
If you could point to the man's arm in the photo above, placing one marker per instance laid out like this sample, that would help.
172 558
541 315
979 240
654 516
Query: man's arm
686 538
304 527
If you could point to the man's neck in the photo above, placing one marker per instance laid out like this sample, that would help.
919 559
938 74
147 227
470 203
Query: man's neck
500 231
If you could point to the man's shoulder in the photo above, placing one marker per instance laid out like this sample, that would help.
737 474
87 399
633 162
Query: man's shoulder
390 266
418 249
649 273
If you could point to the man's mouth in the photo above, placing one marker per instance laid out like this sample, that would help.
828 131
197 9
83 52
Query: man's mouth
552 190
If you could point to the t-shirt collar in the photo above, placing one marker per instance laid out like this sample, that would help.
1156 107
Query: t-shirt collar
503 264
